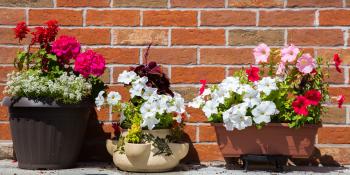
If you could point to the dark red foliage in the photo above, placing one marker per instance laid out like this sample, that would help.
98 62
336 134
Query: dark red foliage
21 30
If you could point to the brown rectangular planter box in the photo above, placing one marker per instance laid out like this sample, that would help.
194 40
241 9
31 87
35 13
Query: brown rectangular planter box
272 139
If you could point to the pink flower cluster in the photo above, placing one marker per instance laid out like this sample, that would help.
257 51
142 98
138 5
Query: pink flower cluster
90 63
66 48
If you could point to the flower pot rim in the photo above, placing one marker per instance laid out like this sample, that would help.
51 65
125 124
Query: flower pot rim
26 102
278 125
137 143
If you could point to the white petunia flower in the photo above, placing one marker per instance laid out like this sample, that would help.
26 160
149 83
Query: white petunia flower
196 102
230 84
149 121
113 98
235 117
266 85
210 108
262 113
126 77
251 97
149 92
178 105
178 118
100 100
136 90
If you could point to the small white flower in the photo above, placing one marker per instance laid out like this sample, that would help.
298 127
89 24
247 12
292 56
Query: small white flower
100 100
235 117
150 122
178 118
148 92
230 84
113 98
178 105
126 77
266 85
262 113
210 108
196 102
251 97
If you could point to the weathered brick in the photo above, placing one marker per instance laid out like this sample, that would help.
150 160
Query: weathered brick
187 92
314 3
63 16
196 115
83 3
4 113
335 91
169 18
103 114
335 135
208 152
198 37
190 132
194 74
327 54
26 3
255 3
287 18
226 56
334 115
89 36
140 3
316 37
5 131
197 3
337 17
207 133
11 16
8 37
254 37
140 37
105 77
172 55
334 76
113 17
119 55
7 54
228 18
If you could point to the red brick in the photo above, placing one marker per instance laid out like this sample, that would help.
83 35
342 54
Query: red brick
113 17
124 92
119 55
228 18
100 36
7 54
103 114
140 3
197 3
4 70
336 91
11 16
327 54
26 3
64 17
198 37
314 3
255 37
4 113
190 131
208 152
169 18
8 37
83 3
187 92
316 37
287 18
334 76
197 115
335 135
334 17
106 76
172 55
334 115
207 133
255 3
140 37
5 131
194 74
226 56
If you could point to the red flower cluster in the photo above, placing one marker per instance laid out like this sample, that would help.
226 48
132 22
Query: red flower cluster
337 62
21 30
44 35
311 97
204 83
253 74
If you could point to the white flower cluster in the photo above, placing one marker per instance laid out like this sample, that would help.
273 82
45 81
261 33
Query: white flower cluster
237 116
68 89
154 105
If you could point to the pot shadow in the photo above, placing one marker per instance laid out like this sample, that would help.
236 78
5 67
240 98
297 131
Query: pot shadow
94 145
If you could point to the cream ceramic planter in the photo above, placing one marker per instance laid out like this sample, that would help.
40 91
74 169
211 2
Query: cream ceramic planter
140 157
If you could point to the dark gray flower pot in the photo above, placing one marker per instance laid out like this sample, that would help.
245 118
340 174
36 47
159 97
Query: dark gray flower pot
47 136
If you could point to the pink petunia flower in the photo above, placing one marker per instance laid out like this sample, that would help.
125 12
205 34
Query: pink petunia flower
90 63
340 100
261 53
337 62
290 53
281 68
306 63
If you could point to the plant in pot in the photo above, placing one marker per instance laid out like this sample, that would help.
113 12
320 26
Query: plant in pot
264 111
151 121
50 100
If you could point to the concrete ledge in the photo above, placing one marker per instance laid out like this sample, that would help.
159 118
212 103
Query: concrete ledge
6 150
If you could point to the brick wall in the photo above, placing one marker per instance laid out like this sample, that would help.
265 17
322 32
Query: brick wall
195 39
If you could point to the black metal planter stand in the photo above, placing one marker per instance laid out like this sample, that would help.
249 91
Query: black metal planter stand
278 160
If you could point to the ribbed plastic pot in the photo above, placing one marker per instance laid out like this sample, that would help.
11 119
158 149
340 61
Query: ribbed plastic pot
47 136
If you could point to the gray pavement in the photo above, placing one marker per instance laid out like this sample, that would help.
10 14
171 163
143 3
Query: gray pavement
8 167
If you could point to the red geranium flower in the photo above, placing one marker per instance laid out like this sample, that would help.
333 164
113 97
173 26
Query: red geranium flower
313 96
340 100
300 105
204 83
337 62
253 74
21 30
